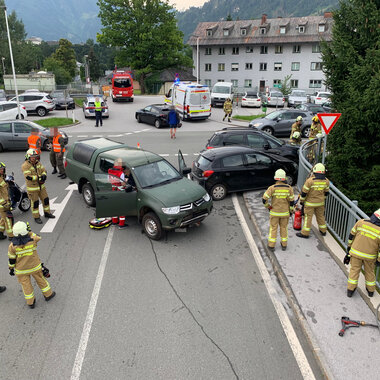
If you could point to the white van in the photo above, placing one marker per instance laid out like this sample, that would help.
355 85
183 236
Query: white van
191 100
220 92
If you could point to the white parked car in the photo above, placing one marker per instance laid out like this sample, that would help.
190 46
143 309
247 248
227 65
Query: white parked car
251 99
297 97
8 111
40 103
320 97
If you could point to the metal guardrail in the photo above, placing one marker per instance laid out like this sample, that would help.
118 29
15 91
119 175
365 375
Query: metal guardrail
341 213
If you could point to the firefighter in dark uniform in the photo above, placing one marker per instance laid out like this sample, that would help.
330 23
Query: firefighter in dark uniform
59 150
35 177
281 206
363 250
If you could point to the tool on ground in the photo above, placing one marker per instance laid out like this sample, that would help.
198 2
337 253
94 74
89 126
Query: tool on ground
348 323
297 221
45 271
99 223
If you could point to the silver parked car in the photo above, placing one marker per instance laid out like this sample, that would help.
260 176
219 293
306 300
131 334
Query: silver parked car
40 103
89 106
275 98
297 97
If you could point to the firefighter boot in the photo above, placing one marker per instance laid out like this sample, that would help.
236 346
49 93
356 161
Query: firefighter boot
2 236
49 215
2 289
54 170
370 294
350 292
33 304
299 234
50 297
38 220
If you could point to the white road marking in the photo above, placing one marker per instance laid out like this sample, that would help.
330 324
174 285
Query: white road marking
137 131
115 135
164 155
128 133
82 136
58 209
69 135
97 136
144 130
294 343
77 368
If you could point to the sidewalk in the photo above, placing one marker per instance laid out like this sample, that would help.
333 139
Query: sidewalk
319 284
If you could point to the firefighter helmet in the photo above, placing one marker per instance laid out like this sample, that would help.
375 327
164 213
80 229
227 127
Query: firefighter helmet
377 213
20 228
296 135
2 166
299 118
280 175
315 119
31 153
319 168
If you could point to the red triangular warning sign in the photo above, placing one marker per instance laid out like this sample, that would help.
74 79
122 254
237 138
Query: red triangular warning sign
328 120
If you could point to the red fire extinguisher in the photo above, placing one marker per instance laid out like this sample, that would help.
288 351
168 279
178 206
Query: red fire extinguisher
297 223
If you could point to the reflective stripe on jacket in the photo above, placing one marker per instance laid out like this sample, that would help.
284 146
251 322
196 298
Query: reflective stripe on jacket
282 198
33 171
315 190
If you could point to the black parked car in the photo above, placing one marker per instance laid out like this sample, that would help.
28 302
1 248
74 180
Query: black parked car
313 108
254 139
155 114
236 168
62 101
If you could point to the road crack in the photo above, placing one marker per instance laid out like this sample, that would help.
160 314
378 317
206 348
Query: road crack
191 313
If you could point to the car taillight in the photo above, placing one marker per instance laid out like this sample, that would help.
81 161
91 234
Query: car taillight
258 99
207 173
188 108
244 99
210 147
318 98
65 163
23 107
283 99
268 99
48 101
162 115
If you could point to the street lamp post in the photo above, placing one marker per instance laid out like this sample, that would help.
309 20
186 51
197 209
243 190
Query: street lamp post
197 37
2 60
11 54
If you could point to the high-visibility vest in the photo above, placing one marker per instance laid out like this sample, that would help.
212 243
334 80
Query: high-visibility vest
56 145
98 106
32 141
114 176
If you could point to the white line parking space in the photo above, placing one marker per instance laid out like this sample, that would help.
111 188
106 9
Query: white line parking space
294 343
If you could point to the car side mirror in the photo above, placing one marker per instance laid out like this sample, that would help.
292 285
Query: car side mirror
186 171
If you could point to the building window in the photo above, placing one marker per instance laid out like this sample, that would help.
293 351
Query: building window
263 49
221 51
208 82
208 51
226 32
294 83
220 80
263 66
234 67
315 83
276 82
221 67
296 48
209 33
295 66
278 49
235 82
243 31
248 66
235 50
207 66
248 83
282 29
321 28
277 66
263 30
301 29
249 49
315 66
316 48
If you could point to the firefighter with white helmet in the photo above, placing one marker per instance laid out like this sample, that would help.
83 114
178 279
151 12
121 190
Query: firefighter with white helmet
5 206
296 139
280 207
315 128
24 262
296 127
35 177
313 195
363 250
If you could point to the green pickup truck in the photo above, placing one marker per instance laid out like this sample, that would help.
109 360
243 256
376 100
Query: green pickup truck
161 197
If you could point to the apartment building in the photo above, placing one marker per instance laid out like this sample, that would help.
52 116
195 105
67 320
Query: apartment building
259 54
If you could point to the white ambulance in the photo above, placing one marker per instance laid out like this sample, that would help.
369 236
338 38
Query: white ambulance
191 100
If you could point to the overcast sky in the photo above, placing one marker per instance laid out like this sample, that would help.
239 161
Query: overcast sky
184 4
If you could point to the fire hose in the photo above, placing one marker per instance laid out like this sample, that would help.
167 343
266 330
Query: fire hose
348 323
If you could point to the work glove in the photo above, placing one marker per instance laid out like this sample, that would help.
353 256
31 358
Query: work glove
12 271
43 177
377 264
346 259
29 178
291 210
270 208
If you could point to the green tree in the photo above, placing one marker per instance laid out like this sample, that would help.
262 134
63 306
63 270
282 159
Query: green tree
146 33
286 89
352 66
95 71
229 17
65 56
62 76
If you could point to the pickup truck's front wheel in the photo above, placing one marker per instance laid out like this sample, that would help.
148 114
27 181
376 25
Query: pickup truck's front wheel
88 194
152 226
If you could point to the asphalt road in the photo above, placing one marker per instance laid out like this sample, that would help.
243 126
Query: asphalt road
191 306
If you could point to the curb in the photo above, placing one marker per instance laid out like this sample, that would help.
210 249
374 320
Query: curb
285 286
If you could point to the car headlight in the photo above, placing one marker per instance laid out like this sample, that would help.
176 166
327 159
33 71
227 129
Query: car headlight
206 197
170 210
257 124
